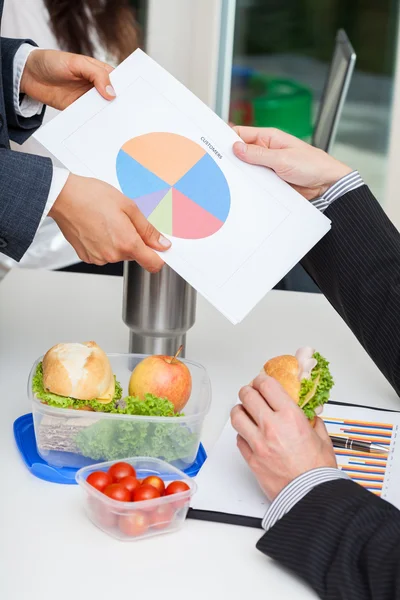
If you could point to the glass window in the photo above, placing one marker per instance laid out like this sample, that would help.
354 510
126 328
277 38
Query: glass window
282 51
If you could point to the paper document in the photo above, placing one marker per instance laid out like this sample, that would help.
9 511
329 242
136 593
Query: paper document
236 229
377 473
226 484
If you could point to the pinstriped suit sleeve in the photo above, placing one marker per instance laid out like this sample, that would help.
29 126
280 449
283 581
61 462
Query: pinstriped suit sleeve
343 540
357 267
340 538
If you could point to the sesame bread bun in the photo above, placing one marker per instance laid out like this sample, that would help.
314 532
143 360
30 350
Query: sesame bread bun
79 371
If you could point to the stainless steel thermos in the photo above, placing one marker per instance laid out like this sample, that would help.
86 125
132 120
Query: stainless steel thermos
158 308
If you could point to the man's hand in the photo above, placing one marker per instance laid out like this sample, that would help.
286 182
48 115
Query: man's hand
309 170
275 437
104 226
59 78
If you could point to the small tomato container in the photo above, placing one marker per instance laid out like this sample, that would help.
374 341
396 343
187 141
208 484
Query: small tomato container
77 438
130 521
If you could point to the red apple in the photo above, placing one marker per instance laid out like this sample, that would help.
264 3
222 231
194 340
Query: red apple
164 377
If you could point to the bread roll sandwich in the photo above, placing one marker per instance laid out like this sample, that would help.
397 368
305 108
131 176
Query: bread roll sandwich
79 376
305 377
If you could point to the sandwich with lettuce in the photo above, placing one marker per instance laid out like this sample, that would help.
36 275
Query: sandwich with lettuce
305 377
79 376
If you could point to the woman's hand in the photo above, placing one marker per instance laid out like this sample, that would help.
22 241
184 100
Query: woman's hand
104 226
59 78
309 170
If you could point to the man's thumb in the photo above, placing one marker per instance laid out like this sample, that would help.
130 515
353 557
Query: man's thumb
256 155
321 430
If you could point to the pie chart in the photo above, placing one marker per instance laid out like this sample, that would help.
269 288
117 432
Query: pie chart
176 184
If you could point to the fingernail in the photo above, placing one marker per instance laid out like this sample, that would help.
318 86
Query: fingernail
110 90
241 148
164 242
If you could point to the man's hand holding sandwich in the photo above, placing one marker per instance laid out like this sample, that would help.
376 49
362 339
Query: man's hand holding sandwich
279 433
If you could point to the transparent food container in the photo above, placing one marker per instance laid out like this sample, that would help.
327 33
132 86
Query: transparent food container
130 521
77 438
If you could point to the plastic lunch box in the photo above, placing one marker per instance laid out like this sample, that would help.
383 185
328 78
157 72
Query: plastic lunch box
130 521
72 438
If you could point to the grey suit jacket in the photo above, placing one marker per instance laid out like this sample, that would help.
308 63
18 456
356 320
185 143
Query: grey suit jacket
24 179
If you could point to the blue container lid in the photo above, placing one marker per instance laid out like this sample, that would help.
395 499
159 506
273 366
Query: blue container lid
24 435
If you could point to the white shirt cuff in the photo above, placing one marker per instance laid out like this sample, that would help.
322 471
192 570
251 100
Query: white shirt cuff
346 184
28 107
296 490
58 181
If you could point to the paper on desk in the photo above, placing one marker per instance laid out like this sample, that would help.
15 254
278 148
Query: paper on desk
226 484
379 474
236 229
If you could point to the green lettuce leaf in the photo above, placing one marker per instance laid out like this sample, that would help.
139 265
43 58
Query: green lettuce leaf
151 406
64 402
324 387
117 439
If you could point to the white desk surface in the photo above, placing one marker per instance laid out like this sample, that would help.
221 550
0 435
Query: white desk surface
48 548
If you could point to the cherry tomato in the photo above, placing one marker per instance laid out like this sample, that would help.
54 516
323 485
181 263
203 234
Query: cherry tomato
116 491
145 492
99 480
156 482
176 487
133 524
121 470
103 516
162 516
130 483
106 518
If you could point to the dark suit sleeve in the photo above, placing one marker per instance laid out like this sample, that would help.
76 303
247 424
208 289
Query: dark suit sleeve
343 540
25 182
19 128
357 267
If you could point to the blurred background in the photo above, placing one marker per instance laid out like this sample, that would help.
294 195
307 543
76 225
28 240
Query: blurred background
281 54
293 40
